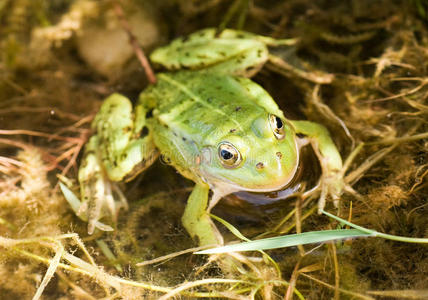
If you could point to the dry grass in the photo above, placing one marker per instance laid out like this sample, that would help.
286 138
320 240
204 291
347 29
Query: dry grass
359 67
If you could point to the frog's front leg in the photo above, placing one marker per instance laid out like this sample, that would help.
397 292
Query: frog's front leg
331 181
196 219
120 149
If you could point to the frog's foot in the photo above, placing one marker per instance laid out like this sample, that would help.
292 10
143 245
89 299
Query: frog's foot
332 185
97 191
226 52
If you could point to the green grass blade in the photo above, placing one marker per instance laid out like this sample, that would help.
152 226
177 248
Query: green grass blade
289 240
377 233
231 228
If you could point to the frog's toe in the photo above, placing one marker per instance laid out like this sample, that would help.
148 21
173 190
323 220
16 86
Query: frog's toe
100 196
105 201
332 186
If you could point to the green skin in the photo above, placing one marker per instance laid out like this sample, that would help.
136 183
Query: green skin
186 116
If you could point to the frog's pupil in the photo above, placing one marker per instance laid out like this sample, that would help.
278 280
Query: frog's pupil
226 154
278 123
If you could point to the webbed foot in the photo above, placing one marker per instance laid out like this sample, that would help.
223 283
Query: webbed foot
332 185
98 193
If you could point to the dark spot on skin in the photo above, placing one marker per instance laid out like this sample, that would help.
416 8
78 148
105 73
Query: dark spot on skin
184 67
222 53
127 129
142 163
209 100
166 159
240 36
184 139
187 54
249 69
185 39
260 166
232 130
202 56
300 135
144 132
174 133
259 53
149 113
123 156
238 108
279 154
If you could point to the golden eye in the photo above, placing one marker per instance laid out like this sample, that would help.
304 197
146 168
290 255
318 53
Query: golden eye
229 155
277 126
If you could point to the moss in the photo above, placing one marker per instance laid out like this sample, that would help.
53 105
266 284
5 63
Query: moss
370 59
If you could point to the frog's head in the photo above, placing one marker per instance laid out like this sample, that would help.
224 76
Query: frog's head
264 158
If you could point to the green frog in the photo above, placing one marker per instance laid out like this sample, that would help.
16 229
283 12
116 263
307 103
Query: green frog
208 120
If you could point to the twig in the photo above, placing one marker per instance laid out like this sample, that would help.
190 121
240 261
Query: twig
134 43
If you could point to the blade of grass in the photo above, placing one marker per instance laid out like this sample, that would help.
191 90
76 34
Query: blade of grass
378 234
71 198
289 240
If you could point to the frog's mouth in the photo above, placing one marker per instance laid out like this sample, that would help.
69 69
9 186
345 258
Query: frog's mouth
229 185
224 186
306 178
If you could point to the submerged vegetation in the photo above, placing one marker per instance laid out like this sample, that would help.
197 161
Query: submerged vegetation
358 67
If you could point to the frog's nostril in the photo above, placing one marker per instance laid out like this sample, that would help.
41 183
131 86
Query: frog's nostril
260 166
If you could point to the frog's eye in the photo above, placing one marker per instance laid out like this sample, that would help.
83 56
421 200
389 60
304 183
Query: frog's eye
229 155
277 126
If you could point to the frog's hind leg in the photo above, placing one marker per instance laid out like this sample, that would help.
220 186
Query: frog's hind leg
121 148
230 52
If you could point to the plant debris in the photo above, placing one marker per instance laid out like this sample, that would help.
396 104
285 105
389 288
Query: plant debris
358 67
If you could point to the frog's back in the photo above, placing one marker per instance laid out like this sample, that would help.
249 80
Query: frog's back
204 107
